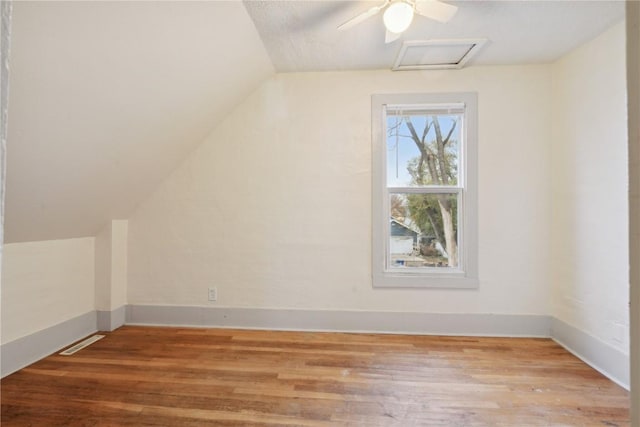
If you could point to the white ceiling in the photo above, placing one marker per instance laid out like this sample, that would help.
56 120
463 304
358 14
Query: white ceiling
302 36
106 98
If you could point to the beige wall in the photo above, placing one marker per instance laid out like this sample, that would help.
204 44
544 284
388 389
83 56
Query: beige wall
633 91
45 283
5 23
102 278
589 225
119 244
115 94
111 266
274 208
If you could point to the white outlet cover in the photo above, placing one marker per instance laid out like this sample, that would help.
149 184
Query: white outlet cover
213 294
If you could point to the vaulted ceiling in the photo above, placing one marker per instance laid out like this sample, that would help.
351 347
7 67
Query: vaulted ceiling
106 98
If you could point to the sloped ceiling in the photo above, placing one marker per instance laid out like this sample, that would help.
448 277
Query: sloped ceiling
106 98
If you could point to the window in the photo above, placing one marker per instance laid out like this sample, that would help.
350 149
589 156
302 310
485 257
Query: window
425 190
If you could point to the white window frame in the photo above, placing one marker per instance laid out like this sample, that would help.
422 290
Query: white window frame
466 275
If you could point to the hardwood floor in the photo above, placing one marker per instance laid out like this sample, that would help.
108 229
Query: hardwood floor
145 376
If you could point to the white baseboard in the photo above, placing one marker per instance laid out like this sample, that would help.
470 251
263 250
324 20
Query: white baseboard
609 361
111 320
604 358
342 321
24 351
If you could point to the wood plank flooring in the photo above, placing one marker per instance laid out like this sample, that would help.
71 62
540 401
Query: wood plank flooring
146 376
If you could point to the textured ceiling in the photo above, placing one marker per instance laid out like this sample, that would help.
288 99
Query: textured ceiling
106 98
302 35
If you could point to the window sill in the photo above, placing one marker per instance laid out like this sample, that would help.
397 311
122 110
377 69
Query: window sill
429 281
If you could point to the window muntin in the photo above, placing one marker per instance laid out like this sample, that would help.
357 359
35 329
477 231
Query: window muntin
424 201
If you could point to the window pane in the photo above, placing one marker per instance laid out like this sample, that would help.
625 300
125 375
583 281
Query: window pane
422 148
423 230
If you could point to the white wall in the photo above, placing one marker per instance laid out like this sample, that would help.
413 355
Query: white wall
102 260
5 37
590 206
111 266
119 244
45 283
115 94
274 208
633 94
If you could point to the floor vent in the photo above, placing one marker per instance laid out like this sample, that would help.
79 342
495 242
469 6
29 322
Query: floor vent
82 344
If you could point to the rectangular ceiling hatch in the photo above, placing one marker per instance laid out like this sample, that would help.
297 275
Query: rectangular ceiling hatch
436 54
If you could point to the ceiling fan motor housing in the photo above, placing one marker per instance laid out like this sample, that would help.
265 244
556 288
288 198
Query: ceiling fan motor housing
398 16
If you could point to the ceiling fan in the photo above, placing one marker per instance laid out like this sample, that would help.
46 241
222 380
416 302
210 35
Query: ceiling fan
398 15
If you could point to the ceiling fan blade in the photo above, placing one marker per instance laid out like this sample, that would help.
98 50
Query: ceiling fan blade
391 37
363 16
436 10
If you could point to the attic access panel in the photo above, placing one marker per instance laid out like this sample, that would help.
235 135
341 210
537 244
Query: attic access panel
436 54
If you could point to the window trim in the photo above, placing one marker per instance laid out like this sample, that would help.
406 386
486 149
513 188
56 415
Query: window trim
465 277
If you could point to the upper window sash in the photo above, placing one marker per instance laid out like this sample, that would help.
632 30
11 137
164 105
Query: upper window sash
408 128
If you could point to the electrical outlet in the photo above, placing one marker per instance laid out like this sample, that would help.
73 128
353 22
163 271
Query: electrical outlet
213 294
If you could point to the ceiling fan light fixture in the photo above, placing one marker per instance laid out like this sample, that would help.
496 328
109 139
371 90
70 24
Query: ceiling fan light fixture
398 16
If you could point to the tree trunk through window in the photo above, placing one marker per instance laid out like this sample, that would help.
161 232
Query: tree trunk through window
434 167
